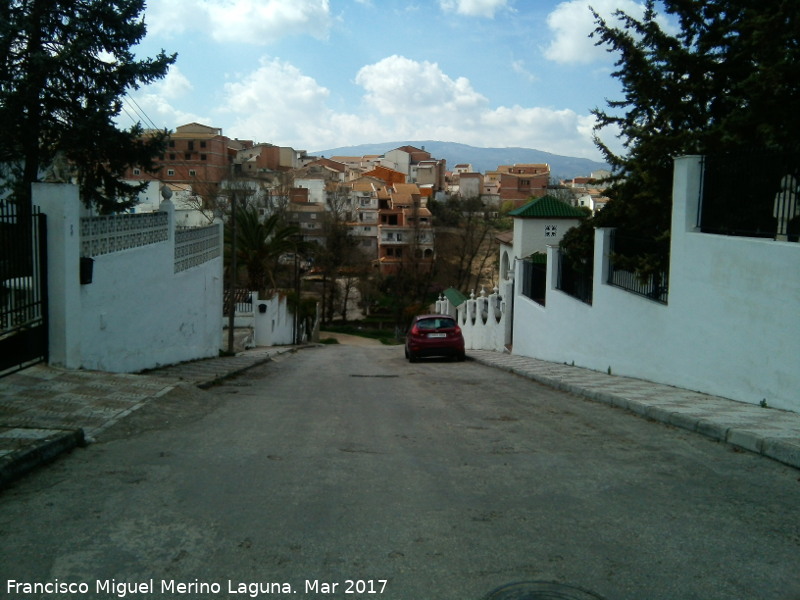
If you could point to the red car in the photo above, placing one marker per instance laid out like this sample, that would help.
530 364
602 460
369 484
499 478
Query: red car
434 335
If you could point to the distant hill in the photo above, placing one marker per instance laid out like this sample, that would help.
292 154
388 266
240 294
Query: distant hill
481 159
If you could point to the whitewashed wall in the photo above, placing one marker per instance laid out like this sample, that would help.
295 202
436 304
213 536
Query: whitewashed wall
533 235
141 309
484 320
731 327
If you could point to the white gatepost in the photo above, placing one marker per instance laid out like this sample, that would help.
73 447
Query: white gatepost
61 203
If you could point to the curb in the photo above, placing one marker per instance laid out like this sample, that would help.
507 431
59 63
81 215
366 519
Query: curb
204 385
774 448
18 463
47 448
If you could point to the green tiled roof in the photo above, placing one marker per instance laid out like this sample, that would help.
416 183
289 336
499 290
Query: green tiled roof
456 298
547 207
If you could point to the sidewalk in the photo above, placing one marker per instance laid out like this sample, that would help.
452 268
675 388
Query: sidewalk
45 411
770 432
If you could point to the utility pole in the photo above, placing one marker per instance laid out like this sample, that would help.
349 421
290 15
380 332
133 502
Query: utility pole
232 275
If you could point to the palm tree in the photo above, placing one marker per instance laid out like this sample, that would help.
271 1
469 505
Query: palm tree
260 243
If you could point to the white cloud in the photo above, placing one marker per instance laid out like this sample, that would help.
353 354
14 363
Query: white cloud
399 86
246 21
152 105
175 84
402 99
518 66
417 100
474 8
572 22
276 103
152 109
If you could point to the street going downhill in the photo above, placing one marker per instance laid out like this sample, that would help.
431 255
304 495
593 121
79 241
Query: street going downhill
345 471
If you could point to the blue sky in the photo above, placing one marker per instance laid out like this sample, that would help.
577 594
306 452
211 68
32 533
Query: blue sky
316 74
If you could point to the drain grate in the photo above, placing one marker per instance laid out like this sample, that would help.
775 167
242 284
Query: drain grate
540 590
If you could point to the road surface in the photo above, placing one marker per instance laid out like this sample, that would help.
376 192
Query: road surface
345 468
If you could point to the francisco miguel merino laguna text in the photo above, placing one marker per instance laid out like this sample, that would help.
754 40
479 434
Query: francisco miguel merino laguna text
121 589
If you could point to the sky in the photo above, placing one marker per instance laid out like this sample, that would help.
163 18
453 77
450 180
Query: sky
319 74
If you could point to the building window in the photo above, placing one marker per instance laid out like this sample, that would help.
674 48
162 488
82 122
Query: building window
202 157
172 156
187 156
192 173
202 144
172 143
550 231
137 171
170 172
191 145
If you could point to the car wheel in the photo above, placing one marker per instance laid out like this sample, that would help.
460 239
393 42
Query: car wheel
412 358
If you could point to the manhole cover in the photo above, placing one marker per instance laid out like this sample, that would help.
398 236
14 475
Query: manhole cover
540 590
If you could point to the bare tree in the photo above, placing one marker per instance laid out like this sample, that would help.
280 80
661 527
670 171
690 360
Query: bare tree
466 251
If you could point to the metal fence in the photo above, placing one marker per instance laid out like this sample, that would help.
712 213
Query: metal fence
241 298
751 193
534 278
23 288
625 250
574 279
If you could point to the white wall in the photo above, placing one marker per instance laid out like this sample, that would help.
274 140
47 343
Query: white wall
731 327
274 326
484 320
137 313
316 189
530 235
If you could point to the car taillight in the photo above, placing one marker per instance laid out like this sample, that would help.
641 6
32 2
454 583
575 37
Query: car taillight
457 331
415 331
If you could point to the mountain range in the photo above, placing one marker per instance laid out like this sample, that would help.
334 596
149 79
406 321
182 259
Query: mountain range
481 159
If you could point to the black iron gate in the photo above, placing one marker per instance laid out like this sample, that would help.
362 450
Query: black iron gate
23 288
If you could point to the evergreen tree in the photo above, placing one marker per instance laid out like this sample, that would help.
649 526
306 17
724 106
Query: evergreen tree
729 79
65 66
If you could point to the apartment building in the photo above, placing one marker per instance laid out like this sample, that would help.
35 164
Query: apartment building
405 229
521 182
364 226
265 158
197 157
418 165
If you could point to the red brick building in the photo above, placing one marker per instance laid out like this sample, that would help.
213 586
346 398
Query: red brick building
196 155
520 183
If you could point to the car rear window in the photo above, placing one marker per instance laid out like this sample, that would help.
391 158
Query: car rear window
436 323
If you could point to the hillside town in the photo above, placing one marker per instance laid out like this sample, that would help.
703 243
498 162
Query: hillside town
385 200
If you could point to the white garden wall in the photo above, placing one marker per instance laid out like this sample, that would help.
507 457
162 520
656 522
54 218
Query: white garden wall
151 301
484 320
731 326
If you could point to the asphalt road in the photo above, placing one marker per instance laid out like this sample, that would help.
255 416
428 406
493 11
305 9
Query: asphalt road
432 481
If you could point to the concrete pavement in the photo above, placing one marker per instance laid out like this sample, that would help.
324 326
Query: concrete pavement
46 411
767 431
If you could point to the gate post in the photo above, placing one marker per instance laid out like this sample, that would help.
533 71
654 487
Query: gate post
61 203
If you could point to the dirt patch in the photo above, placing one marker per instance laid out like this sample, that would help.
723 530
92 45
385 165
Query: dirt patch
349 340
